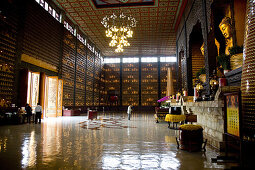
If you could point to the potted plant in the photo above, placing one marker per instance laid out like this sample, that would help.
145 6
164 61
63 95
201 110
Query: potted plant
224 61
201 75
236 59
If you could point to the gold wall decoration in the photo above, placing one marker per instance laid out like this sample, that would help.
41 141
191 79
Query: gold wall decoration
31 60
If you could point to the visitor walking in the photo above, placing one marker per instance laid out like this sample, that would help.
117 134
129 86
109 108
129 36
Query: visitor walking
29 112
129 111
38 113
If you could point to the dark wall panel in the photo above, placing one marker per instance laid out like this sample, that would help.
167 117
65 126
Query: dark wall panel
80 75
149 84
111 81
37 34
130 84
42 35
90 78
8 47
68 68
97 80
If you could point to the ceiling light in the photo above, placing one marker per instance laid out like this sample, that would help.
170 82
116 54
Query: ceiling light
119 28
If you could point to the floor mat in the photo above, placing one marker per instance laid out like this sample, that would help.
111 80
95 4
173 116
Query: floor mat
112 122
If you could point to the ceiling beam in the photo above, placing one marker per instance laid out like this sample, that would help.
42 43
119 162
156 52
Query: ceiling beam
183 6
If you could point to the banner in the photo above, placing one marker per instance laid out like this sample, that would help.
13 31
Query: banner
233 115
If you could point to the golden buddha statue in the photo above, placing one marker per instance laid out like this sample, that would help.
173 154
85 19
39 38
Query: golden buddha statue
225 27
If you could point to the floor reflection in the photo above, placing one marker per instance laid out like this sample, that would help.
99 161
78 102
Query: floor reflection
3 143
29 151
110 142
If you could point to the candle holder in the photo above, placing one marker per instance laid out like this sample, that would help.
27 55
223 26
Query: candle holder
199 87
214 84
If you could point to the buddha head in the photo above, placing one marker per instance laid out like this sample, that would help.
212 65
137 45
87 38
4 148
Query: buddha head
225 27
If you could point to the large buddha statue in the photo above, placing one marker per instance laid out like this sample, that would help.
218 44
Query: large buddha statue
225 27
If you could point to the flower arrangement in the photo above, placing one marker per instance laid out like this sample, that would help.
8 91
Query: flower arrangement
235 50
200 71
224 61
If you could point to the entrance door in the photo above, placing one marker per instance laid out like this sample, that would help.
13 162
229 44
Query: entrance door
33 89
51 96
60 97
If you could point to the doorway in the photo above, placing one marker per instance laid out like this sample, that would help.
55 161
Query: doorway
53 96
196 59
33 89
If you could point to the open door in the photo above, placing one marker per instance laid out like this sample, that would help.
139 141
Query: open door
51 96
33 89
60 97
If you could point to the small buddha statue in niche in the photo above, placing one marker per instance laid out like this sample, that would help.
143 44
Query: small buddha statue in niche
225 27
217 45
219 73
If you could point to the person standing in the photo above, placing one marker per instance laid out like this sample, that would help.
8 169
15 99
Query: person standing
129 111
38 113
29 112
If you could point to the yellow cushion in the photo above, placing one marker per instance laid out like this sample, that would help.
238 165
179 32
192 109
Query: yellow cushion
190 127
175 118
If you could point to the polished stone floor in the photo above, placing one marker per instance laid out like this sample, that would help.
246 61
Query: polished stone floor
110 142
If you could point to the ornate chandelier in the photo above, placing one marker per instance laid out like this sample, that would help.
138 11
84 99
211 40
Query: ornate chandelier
119 28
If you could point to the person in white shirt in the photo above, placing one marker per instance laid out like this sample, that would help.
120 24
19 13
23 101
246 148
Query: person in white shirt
38 113
129 111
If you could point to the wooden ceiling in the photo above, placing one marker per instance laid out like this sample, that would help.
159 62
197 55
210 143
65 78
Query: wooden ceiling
153 35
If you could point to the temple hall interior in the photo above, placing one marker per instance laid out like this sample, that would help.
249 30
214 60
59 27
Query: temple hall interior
127 84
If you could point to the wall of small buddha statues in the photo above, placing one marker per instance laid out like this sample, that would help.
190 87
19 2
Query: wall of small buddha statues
33 40
139 84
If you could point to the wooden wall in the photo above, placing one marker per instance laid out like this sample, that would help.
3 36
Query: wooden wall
68 68
130 84
27 32
80 75
142 83
8 46
149 84
97 83
42 35
90 78
111 81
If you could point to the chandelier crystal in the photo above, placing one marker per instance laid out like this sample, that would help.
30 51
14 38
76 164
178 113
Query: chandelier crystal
119 29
